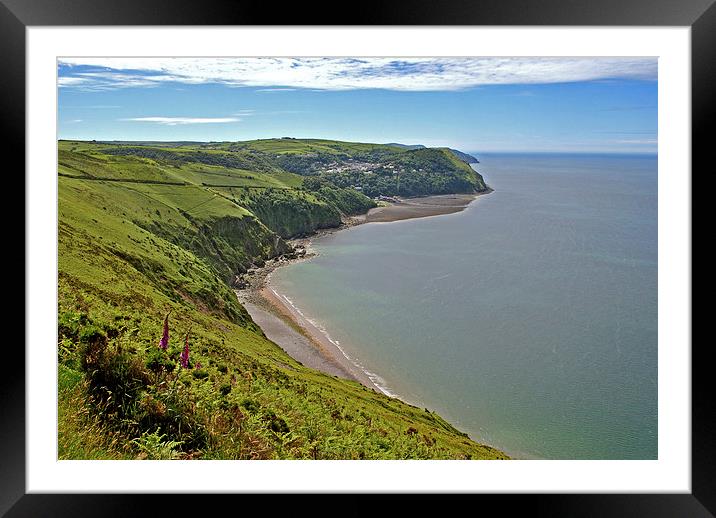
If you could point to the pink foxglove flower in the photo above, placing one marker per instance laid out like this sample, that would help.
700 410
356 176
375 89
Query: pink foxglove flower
164 342
184 358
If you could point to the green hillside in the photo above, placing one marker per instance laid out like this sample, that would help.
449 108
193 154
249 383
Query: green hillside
150 230
375 169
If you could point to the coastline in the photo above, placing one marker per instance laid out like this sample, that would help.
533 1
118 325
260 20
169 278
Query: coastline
422 207
284 324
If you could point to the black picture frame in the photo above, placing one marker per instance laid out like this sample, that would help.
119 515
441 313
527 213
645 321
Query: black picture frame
700 15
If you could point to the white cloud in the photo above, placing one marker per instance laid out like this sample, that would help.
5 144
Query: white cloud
71 81
272 90
174 121
409 74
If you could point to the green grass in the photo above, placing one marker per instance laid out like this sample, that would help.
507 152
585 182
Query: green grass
130 253
81 433
305 146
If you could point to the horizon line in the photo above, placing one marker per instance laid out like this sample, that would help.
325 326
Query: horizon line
462 149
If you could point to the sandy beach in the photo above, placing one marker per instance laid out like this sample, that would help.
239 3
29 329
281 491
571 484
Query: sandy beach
410 208
285 325
300 338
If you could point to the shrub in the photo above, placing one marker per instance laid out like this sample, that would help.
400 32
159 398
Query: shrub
200 374
115 377
275 423
169 409
158 361
69 324
154 447
91 334
250 405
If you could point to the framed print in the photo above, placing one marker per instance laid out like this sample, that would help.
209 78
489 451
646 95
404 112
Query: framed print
196 153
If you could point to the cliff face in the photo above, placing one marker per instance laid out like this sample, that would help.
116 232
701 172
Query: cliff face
145 232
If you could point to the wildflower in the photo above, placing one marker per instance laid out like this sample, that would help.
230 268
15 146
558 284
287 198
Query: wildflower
184 358
165 335
197 365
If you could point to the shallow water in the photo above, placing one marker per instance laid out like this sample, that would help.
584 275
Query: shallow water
529 320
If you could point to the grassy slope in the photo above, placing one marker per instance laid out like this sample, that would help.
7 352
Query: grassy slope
304 146
129 253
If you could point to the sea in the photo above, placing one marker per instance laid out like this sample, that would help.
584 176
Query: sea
528 320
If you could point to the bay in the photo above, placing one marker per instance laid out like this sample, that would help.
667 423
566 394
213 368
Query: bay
529 320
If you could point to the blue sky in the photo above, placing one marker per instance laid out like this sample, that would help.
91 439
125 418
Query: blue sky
476 105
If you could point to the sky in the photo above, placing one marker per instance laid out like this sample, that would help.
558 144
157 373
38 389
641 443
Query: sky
472 104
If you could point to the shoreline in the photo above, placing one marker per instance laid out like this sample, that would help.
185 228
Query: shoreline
302 339
420 207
